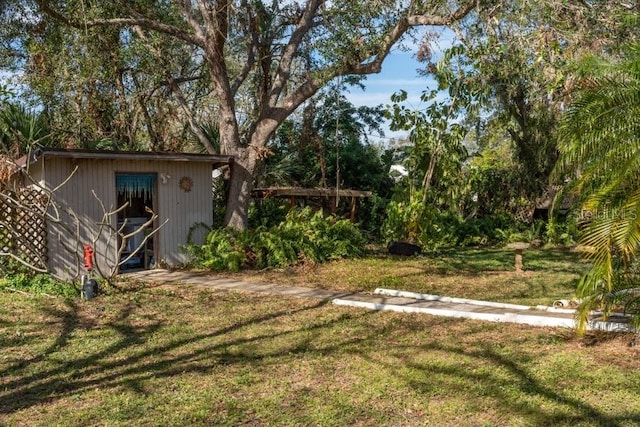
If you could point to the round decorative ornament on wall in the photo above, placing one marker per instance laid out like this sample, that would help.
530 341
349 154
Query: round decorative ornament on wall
186 183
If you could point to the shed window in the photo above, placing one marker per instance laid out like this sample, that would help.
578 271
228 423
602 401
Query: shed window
135 184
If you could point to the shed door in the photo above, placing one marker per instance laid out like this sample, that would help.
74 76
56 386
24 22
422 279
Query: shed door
136 192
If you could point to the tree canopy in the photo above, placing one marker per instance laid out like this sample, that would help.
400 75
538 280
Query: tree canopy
245 65
512 68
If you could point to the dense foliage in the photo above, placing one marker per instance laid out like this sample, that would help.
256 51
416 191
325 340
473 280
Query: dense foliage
328 145
265 82
303 237
432 228
480 156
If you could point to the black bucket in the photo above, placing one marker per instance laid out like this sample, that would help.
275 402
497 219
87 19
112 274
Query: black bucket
90 289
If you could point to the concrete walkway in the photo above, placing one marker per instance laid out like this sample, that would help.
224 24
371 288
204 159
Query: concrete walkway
393 300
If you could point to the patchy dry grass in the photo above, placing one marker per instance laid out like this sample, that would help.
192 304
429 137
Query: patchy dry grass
170 355
486 274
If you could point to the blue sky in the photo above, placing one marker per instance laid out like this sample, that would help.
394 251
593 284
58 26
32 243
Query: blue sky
400 72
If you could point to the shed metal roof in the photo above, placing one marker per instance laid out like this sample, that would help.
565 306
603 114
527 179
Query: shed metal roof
123 155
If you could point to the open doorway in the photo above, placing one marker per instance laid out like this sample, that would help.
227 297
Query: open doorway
138 192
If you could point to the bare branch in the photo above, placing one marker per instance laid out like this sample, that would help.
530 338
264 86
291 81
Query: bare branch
144 241
69 226
107 223
63 183
25 263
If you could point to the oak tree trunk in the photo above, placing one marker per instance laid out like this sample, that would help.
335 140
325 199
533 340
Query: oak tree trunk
239 197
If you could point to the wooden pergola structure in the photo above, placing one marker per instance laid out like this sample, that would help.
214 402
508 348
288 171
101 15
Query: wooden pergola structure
327 198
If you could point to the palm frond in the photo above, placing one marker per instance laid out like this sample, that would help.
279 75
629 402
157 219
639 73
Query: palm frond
600 150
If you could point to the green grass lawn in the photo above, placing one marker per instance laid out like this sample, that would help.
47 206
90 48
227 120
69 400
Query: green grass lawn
486 274
163 355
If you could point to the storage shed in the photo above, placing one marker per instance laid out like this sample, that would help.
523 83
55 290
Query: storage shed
97 197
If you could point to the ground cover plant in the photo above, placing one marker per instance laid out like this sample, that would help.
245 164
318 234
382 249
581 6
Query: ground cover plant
15 277
183 355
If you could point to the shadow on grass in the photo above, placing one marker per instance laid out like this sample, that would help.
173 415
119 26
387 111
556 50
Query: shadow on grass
99 369
68 321
492 385
471 262
526 385
134 358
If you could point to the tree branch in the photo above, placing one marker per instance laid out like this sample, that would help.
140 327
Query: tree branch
252 47
398 31
187 10
312 85
289 53
175 88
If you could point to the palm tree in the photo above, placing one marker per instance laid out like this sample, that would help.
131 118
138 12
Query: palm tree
22 130
600 151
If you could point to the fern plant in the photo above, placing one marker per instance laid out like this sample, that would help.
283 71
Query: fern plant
304 236
224 249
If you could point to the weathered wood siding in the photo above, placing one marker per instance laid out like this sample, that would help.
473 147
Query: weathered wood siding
178 208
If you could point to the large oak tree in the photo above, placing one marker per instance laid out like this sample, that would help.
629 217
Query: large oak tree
264 59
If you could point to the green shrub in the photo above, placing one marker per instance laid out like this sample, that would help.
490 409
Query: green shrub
303 236
267 212
432 228
223 250
562 231
405 221
485 230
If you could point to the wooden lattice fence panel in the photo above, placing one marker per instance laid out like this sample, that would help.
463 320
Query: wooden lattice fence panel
525 213
23 229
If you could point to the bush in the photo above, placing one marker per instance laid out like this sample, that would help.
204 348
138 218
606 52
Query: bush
426 226
486 230
267 212
303 236
371 215
562 231
404 221
223 250
432 228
